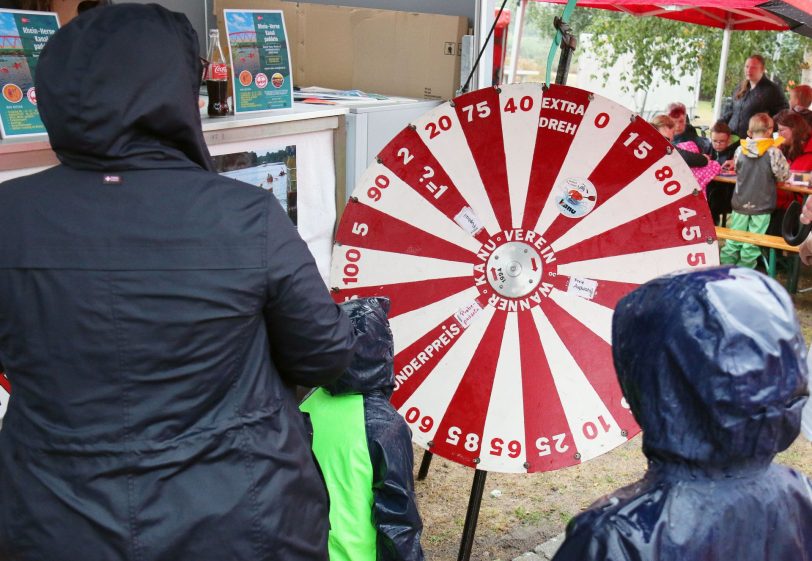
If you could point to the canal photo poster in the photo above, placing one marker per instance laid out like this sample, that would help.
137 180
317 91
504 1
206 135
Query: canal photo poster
260 60
270 167
22 37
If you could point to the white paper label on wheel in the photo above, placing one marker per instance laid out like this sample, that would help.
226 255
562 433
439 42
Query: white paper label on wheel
504 227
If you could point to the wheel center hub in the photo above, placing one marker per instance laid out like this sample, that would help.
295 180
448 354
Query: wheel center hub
514 269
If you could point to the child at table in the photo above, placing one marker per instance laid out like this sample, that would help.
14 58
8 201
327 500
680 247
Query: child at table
759 166
722 148
702 167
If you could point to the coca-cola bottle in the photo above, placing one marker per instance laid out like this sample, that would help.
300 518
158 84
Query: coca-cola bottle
216 77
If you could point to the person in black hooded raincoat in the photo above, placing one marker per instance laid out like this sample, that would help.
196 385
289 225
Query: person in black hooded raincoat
712 365
364 448
154 317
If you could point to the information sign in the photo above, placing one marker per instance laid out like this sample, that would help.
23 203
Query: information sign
260 60
22 37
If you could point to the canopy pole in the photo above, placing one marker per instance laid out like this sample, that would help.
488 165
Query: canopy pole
720 79
518 31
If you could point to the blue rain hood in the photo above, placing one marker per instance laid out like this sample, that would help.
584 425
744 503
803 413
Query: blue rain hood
712 364
723 352
372 368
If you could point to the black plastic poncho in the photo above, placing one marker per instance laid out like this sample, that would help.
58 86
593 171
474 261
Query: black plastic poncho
712 365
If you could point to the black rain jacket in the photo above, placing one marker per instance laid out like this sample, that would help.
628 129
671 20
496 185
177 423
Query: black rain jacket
153 318
766 97
712 364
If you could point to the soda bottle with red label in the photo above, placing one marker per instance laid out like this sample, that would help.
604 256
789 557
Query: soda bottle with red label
216 77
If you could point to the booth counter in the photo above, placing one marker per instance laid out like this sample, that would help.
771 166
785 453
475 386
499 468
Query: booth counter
318 151
312 137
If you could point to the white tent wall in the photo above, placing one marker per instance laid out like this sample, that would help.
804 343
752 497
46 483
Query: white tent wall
590 77
806 73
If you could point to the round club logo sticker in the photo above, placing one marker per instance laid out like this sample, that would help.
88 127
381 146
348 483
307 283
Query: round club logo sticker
261 80
245 78
577 197
31 94
12 93
277 80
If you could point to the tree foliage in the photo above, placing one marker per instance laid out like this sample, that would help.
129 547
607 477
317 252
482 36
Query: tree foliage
671 50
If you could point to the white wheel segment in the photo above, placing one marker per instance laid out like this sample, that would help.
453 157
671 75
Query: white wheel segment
504 226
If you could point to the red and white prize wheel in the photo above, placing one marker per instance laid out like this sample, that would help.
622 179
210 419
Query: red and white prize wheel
504 226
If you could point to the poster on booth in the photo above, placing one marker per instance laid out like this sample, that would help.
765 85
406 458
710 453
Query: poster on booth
22 37
270 167
260 60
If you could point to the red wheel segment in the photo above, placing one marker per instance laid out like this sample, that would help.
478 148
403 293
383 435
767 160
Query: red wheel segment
504 226
5 395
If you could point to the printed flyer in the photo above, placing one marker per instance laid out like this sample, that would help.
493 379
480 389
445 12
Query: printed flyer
22 37
260 60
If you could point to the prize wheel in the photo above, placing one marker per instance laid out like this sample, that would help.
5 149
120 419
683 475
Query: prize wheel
504 226
5 395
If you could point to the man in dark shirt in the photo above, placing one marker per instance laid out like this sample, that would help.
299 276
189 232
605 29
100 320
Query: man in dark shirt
756 94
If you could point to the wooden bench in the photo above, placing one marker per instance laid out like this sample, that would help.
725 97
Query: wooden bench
772 244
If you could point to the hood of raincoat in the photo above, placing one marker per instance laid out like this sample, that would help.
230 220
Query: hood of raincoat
372 368
712 365
117 89
756 147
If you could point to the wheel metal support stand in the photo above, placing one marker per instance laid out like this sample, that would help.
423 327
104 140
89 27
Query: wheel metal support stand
424 465
472 515
568 43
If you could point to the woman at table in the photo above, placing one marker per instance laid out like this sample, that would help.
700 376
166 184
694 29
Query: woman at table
797 148
683 129
797 135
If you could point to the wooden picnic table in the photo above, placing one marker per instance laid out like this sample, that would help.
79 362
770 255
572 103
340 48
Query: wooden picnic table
785 186
771 243
725 178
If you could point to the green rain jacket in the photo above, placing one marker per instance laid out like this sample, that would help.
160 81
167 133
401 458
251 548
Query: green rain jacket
364 449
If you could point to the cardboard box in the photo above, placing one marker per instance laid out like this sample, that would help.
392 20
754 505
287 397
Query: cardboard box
379 51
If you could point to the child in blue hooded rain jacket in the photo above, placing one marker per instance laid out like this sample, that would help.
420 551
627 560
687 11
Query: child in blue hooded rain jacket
717 396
